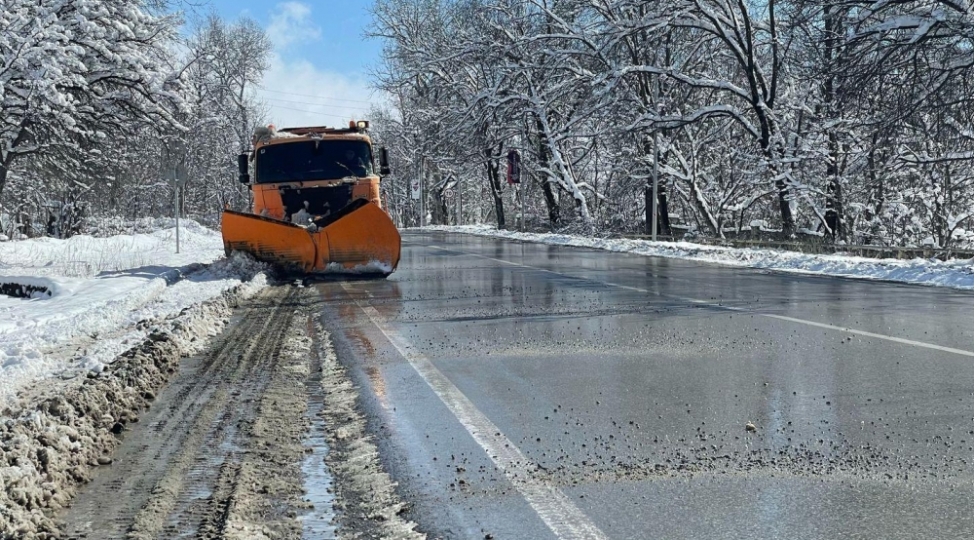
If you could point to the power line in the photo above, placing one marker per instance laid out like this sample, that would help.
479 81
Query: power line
319 104
317 96
312 112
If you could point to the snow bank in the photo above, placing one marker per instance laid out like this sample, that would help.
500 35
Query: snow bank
954 273
51 444
103 328
103 226
103 295
87 256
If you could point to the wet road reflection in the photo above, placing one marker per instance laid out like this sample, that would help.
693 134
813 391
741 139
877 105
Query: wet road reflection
635 403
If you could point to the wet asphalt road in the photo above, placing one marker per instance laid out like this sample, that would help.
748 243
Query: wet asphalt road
623 384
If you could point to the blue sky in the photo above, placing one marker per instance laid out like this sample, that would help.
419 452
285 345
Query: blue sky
320 67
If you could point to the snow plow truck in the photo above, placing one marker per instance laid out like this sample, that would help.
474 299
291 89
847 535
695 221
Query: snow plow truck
317 207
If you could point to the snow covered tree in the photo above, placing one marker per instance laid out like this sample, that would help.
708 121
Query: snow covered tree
845 121
194 107
74 72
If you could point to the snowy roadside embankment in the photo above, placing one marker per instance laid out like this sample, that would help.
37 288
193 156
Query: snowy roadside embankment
53 441
953 273
90 299
102 328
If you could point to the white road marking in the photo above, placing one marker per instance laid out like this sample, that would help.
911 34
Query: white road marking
864 333
559 513
895 339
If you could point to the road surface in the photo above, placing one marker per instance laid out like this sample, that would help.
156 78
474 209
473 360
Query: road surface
219 454
521 390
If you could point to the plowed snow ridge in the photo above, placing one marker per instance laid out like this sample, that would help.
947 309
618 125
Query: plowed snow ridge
954 273
98 306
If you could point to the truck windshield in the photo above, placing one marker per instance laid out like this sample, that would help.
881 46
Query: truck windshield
313 160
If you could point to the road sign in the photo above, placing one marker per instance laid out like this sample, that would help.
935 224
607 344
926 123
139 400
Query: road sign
415 189
514 167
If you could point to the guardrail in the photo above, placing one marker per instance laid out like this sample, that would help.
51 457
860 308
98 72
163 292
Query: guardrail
874 252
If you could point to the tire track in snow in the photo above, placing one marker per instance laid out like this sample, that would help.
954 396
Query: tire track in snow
172 480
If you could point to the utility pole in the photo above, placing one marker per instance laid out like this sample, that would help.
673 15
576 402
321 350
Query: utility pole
656 175
423 193
176 209
457 205
521 190
179 181
656 164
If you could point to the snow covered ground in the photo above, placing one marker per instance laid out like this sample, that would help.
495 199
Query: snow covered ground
104 295
954 273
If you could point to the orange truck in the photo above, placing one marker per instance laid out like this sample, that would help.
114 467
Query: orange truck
316 207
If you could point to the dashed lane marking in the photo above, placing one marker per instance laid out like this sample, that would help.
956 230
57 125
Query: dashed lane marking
855 331
556 510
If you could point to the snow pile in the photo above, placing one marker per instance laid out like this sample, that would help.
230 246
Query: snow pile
953 273
371 267
365 495
87 355
103 296
102 227
51 445
88 256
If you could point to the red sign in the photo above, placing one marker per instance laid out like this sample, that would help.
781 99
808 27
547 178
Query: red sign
514 167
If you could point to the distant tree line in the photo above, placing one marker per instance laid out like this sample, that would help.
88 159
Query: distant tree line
100 100
845 120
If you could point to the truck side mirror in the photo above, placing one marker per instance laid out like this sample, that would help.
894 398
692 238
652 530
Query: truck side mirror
243 176
383 162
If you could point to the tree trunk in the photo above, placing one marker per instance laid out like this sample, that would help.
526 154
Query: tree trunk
697 199
663 225
785 209
834 204
4 168
648 207
875 184
781 188
494 181
834 193
8 159
648 150
440 210
551 203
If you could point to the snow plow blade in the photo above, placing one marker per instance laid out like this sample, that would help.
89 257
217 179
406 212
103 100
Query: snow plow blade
359 239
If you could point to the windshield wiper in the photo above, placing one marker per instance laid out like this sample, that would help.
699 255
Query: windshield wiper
351 172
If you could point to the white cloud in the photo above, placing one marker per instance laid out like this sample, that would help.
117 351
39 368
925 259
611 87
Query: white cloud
299 94
290 23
